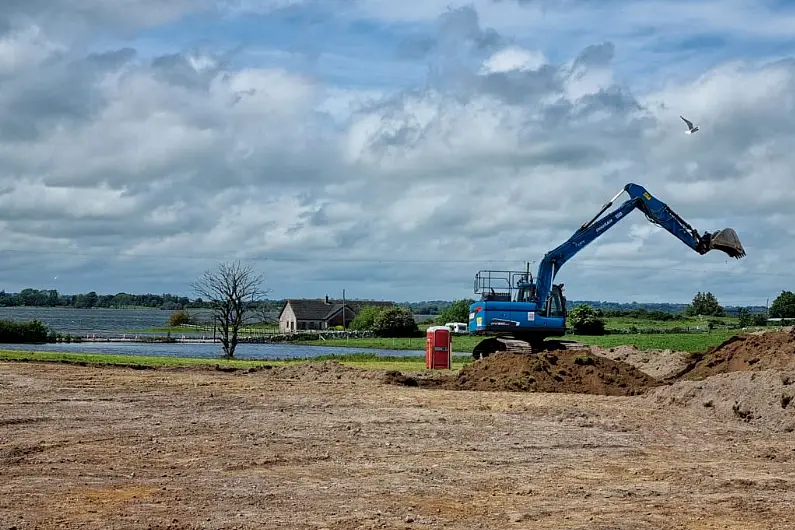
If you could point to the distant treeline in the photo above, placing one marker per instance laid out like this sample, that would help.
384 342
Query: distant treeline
52 298
170 302
650 310
646 311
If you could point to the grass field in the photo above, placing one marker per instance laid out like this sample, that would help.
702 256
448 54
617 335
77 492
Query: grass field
463 343
617 323
462 348
612 323
626 323
689 342
367 361
695 341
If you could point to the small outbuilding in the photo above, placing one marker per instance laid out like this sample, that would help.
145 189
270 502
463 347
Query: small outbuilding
300 314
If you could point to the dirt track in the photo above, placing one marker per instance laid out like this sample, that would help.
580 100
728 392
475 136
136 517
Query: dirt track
84 447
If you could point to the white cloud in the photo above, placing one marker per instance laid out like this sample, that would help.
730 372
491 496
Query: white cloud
138 163
513 58
26 199
25 47
79 15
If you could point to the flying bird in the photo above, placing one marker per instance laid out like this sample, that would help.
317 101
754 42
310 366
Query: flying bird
690 128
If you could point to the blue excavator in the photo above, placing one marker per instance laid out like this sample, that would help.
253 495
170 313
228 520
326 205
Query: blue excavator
518 312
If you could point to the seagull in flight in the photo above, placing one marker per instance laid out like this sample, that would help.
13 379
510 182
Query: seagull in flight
690 128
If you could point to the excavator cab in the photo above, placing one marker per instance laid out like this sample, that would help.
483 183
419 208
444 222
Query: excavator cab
556 304
727 241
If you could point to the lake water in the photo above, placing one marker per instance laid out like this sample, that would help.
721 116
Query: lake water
88 321
116 322
206 350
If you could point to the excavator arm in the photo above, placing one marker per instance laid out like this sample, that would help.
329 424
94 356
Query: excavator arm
535 313
656 211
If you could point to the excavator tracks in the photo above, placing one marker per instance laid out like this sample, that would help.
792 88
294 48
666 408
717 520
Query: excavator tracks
520 347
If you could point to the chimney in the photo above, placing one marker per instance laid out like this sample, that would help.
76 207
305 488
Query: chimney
327 299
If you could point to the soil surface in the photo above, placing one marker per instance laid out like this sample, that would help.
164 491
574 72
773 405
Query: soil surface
325 446
764 399
748 378
570 371
765 351
659 364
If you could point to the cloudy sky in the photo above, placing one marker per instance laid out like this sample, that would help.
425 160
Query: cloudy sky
393 148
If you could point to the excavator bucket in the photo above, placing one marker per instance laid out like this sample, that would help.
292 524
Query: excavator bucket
727 241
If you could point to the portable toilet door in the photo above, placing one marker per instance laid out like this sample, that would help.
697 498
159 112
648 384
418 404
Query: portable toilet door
439 348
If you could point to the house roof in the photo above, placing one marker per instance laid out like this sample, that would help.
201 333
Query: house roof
318 309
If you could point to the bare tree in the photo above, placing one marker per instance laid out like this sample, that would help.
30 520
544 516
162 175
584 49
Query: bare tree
232 291
265 315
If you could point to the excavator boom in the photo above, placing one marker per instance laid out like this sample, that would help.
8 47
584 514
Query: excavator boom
656 211
533 309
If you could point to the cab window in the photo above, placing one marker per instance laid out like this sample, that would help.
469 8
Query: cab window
555 304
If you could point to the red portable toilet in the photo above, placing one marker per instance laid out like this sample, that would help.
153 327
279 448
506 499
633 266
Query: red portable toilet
439 348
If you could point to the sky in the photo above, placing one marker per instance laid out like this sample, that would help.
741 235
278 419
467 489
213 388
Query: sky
393 148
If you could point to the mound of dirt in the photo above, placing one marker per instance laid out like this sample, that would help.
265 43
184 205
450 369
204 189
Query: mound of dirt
570 371
574 371
763 399
657 363
750 352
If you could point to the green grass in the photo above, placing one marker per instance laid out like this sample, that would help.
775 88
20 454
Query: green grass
626 323
617 323
367 361
464 343
462 347
688 342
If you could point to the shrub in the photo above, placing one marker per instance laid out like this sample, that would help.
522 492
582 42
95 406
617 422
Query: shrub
178 318
745 318
457 312
33 332
365 319
395 322
705 304
783 306
585 321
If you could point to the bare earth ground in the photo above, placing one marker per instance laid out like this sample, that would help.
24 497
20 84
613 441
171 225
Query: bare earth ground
656 363
325 446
